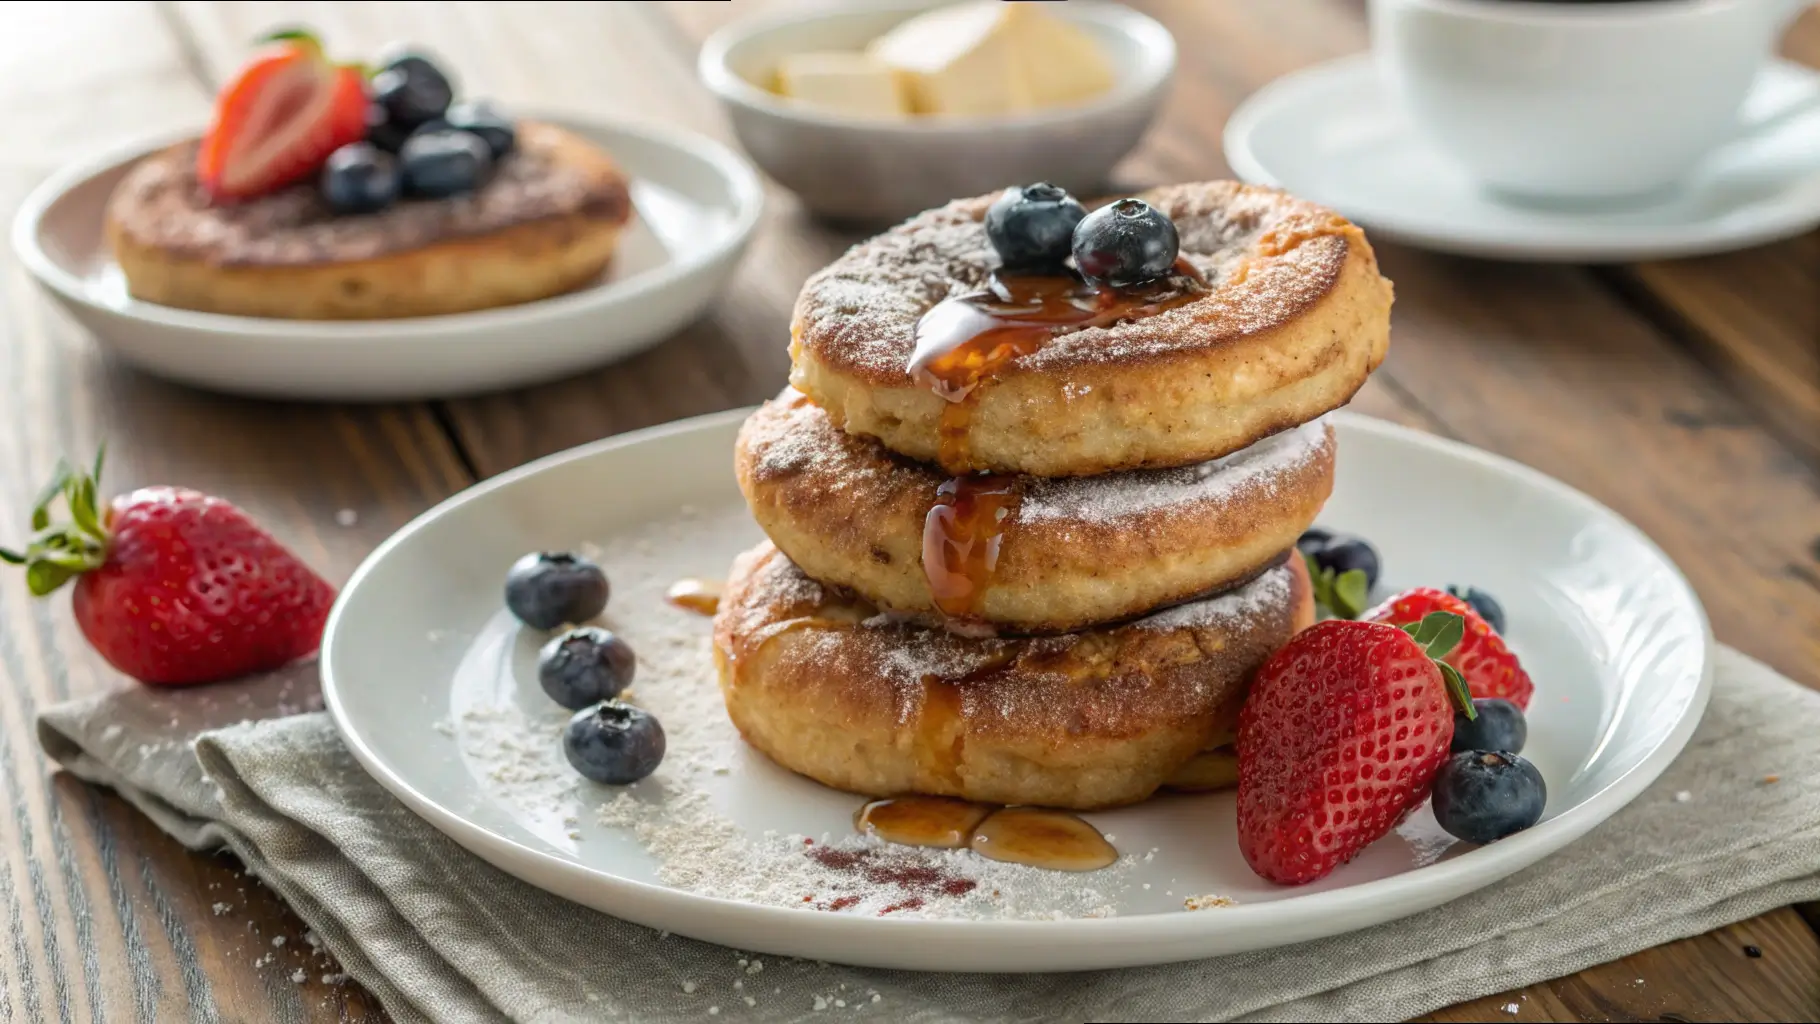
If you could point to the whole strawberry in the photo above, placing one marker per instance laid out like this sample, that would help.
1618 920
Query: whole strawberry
1341 737
174 587
1491 670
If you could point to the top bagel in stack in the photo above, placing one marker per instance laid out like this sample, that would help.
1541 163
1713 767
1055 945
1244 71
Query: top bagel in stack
1280 317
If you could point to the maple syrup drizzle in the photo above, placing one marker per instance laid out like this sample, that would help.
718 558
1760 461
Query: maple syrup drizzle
960 344
695 595
1033 836
962 535
962 341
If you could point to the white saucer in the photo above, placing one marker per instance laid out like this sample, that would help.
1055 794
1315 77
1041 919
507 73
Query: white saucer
1333 134
697 205
433 686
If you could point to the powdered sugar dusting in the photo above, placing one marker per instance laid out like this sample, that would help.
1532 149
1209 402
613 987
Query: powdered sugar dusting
1025 686
1116 496
793 438
693 817
860 312
1269 592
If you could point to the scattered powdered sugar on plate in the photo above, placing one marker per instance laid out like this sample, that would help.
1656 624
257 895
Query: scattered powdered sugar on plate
700 851
685 816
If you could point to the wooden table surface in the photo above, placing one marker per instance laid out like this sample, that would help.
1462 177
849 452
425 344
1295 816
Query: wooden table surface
1684 394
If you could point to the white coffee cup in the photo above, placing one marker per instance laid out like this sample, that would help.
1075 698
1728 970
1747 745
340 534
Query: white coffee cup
1582 100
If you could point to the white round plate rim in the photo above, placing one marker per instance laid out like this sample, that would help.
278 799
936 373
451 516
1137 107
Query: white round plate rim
1083 943
1428 228
742 180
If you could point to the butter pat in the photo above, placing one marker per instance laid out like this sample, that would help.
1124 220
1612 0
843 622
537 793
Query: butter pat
845 83
987 57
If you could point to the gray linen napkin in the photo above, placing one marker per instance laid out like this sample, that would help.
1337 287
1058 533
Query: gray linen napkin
437 935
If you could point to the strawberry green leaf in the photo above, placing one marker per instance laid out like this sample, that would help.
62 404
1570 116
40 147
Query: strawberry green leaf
1448 634
43 577
1457 689
1344 596
1438 633
1320 580
1350 594
70 560
58 551
79 495
100 458
41 508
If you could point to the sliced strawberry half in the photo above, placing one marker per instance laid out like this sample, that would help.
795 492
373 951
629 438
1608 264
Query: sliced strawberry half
1482 656
279 119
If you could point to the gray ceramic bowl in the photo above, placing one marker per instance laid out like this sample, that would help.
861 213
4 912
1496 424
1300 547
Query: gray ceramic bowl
873 171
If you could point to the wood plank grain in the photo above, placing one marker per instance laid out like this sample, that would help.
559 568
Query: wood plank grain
1707 977
109 919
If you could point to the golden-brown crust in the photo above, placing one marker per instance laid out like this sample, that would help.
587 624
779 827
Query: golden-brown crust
1074 551
1297 317
831 690
547 223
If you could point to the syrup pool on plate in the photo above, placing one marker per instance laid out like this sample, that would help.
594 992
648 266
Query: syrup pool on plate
695 594
1034 836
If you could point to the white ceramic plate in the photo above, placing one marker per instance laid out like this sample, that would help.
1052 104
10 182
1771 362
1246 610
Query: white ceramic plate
1334 134
697 205
433 686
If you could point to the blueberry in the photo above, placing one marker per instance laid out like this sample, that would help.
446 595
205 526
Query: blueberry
614 742
485 120
434 124
585 666
1482 796
1500 726
1486 605
360 178
1313 539
444 163
1343 552
546 589
412 90
383 132
1032 227
1125 244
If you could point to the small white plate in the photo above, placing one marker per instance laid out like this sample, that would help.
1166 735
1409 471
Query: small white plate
1334 134
697 205
433 686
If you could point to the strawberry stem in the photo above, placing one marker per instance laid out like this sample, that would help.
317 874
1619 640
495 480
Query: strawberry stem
301 37
57 552
1438 634
307 41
